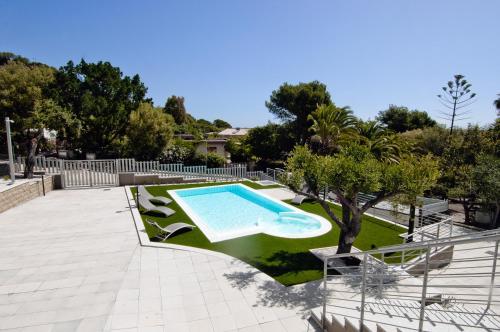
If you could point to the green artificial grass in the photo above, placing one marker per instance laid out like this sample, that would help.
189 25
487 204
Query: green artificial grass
286 260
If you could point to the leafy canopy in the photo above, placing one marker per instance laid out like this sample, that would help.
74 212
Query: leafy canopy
221 124
101 98
333 126
294 103
175 107
23 98
270 142
400 119
149 132
356 170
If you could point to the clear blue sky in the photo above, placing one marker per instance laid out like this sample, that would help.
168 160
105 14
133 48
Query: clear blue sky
226 56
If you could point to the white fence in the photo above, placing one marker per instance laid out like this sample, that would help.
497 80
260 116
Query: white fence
89 173
42 164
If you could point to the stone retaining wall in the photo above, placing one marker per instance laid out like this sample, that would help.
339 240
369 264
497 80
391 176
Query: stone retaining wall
25 192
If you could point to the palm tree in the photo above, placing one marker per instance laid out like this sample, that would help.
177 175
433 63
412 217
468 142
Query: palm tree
333 126
384 145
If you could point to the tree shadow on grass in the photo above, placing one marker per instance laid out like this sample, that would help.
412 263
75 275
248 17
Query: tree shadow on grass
283 262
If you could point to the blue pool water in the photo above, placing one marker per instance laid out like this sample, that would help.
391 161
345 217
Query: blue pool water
229 211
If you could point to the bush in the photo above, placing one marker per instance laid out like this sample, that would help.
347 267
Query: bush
214 160
239 150
179 152
149 132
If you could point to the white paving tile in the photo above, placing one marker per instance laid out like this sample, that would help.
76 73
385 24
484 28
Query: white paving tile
202 325
223 323
274 326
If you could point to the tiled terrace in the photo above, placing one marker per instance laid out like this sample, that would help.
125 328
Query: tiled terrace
71 261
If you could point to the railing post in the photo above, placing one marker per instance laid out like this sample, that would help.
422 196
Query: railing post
325 288
89 168
117 170
424 289
363 292
382 270
61 168
493 272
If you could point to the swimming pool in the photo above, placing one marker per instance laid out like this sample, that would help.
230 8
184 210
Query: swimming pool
229 211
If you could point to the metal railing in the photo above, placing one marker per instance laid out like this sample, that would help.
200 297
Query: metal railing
451 286
275 174
430 227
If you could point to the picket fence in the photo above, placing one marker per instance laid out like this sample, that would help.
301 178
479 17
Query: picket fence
89 173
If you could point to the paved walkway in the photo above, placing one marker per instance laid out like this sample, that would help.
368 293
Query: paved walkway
71 261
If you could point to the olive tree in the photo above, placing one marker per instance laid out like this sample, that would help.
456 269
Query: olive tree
149 132
23 98
352 171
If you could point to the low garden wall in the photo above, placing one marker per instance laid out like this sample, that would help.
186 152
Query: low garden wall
23 192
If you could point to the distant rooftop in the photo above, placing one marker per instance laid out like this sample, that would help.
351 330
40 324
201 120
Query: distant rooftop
234 132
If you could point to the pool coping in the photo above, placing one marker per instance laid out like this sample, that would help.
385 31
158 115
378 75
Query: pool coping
213 237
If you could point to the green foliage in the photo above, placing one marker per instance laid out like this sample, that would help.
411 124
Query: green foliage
221 124
294 103
428 140
149 132
400 119
205 126
381 142
333 125
355 169
486 178
6 57
179 152
214 160
240 151
175 107
23 98
101 98
270 142
22 92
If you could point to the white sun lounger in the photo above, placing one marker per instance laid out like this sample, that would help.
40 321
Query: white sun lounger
165 232
154 199
149 207
298 199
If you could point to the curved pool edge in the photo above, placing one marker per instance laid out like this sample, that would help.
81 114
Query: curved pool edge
326 226
212 236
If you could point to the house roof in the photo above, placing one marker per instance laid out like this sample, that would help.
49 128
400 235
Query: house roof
234 132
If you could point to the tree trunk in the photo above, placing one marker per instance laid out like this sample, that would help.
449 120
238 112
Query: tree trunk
349 233
411 223
346 214
466 207
32 146
496 218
